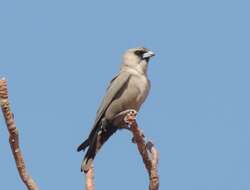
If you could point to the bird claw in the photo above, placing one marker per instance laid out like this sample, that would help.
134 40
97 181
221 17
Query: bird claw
130 117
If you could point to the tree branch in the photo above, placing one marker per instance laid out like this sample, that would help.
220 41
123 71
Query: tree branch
14 138
147 150
89 182
149 155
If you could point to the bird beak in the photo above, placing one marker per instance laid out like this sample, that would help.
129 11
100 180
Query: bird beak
148 55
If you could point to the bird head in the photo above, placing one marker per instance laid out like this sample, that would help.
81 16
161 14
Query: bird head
137 59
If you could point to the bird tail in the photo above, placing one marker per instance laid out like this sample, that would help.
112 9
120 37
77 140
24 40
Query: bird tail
95 145
83 146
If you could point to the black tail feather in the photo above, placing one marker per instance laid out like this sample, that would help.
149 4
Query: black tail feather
83 145
95 144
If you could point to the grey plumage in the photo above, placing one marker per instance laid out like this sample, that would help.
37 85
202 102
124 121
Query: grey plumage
127 90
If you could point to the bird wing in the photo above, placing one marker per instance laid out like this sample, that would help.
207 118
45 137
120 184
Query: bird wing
116 84
95 139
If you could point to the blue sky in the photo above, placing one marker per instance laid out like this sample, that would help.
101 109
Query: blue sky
59 56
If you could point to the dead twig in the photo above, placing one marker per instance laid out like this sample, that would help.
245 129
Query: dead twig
147 150
14 138
89 182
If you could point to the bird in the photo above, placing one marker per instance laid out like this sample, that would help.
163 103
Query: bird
126 91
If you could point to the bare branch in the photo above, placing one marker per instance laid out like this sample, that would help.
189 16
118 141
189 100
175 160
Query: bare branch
90 178
14 138
147 150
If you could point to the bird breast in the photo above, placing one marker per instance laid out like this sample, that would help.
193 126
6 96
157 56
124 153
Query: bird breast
136 93
142 86
130 97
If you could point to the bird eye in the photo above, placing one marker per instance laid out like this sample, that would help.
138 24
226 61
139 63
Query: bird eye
139 53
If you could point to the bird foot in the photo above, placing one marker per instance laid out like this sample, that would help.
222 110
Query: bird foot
130 117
